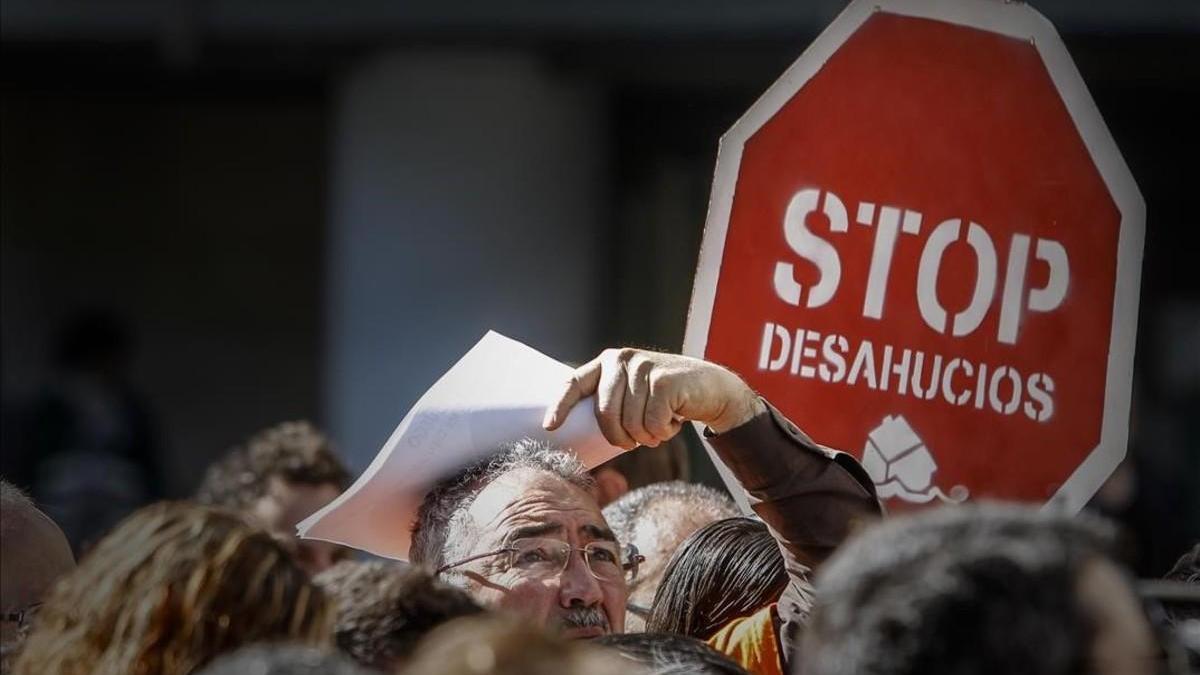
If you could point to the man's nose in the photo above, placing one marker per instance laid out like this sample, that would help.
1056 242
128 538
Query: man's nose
578 585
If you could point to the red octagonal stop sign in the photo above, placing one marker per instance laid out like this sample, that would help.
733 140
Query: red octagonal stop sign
925 248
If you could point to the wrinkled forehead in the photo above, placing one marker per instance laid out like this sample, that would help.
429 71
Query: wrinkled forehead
533 499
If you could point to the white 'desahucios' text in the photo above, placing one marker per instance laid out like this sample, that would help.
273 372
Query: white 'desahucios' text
955 380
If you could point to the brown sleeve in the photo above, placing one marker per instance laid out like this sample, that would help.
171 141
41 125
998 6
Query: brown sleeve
810 496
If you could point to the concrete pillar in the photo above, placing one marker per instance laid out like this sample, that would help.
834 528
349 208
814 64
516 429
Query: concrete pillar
466 195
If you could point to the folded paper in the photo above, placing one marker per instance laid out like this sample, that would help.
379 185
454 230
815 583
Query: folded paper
497 393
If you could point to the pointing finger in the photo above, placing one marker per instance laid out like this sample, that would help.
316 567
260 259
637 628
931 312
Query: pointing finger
583 383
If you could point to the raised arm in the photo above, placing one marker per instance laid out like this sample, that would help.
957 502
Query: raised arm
810 496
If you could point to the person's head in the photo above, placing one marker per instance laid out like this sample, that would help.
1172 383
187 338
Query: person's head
725 570
656 519
641 467
522 532
1186 570
171 587
283 659
384 609
280 476
504 645
671 654
33 556
983 588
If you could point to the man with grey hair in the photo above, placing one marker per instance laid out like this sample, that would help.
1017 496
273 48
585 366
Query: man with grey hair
33 554
529 500
522 531
656 518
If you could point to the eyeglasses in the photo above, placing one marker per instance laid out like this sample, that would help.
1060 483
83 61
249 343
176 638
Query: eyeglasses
540 558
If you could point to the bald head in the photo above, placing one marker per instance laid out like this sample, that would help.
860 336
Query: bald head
33 556
657 518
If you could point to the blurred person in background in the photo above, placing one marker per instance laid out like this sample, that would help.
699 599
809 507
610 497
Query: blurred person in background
280 476
384 609
90 452
722 586
1186 570
172 587
504 645
671 654
1178 606
34 553
641 467
283 659
522 531
656 518
978 588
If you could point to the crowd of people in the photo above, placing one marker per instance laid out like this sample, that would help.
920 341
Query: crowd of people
527 562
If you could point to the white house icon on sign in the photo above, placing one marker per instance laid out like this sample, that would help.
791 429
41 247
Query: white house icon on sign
901 466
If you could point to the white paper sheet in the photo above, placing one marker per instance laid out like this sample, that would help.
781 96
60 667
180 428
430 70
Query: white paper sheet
496 393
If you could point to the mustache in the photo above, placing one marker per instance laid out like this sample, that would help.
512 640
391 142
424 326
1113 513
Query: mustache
584 617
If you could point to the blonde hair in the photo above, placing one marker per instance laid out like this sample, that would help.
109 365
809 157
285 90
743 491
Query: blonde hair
174 585
498 644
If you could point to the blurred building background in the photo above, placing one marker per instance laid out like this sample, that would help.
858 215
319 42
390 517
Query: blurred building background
216 215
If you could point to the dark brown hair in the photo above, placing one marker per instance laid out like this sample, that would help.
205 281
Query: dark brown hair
971 588
293 451
384 609
723 571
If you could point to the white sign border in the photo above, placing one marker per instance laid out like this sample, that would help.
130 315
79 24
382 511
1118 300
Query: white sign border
1016 20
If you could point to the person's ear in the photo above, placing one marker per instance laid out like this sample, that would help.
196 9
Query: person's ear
610 484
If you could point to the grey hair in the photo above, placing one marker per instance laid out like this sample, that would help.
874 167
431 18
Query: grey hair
625 514
442 512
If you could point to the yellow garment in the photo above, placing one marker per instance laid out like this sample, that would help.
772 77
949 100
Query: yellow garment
751 642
